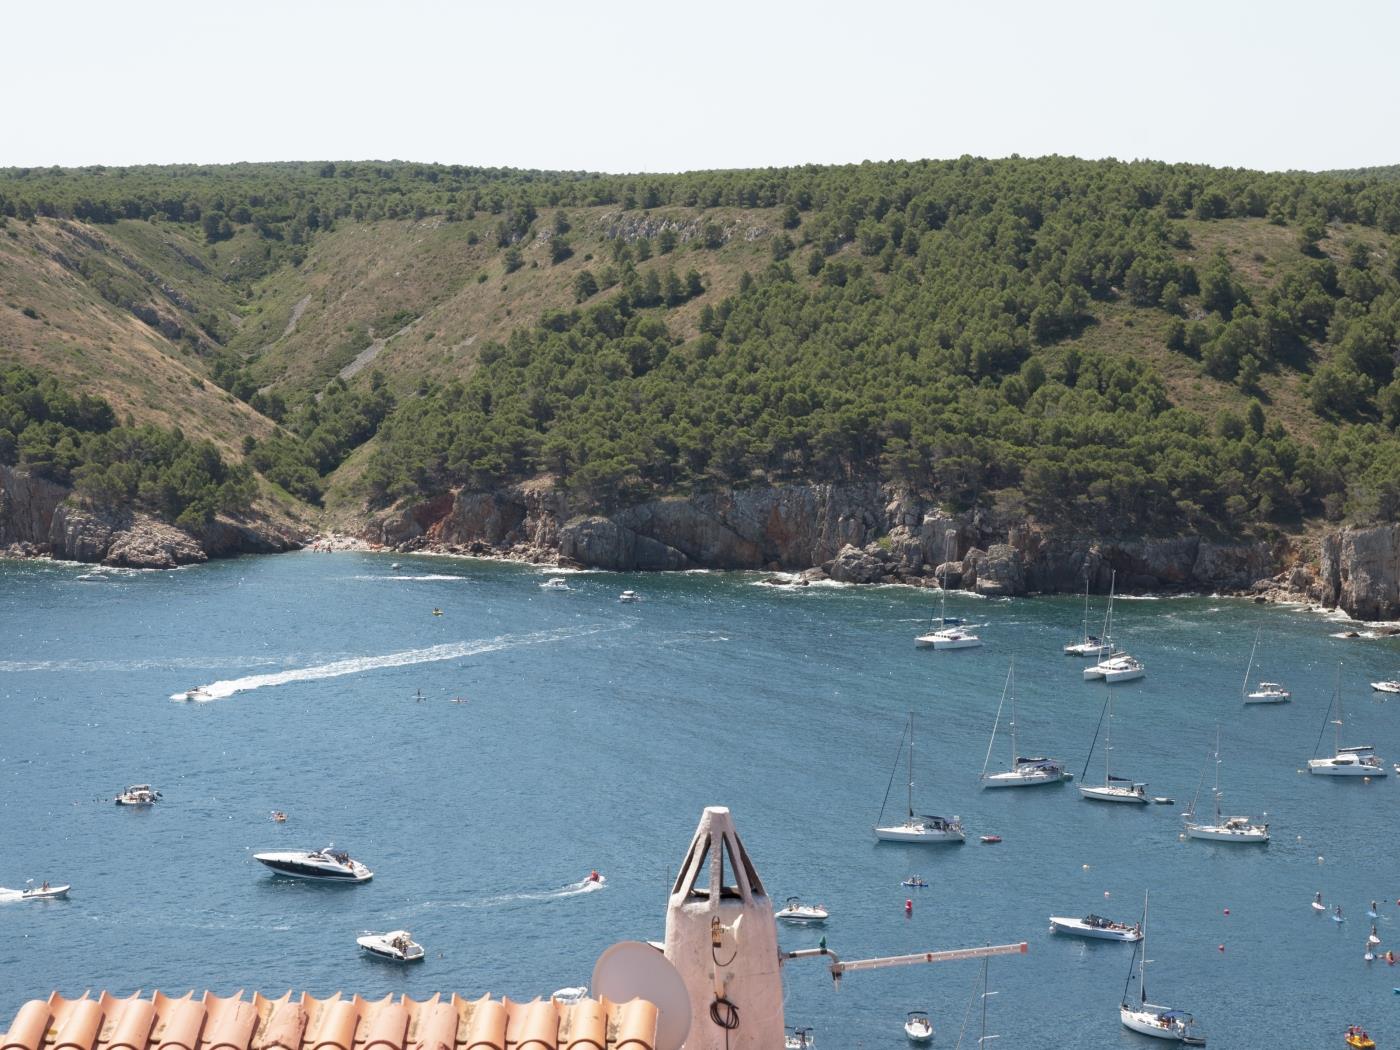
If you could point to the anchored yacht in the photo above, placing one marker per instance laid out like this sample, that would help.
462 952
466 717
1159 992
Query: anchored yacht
329 865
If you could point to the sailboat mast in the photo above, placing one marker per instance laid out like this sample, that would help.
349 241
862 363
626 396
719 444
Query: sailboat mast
911 766
1217 774
943 587
983 1040
1244 686
1107 639
1142 979
1012 684
1337 689
1084 623
1108 743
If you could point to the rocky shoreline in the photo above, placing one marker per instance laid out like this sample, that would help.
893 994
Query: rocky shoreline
872 533
853 533
39 519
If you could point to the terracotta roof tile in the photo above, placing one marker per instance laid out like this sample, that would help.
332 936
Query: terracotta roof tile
211 1022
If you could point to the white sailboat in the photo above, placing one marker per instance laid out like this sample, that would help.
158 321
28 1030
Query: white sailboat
1024 771
916 827
1113 789
1160 1022
1264 692
1224 829
947 635
1356 761
1089 644
1117 666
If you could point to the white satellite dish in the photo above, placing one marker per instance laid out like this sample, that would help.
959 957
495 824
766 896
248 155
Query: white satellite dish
635 970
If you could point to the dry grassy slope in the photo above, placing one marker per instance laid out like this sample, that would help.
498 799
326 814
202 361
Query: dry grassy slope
1260 253
100 347
359 275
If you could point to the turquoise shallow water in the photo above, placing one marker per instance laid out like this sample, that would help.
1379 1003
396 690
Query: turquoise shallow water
592 736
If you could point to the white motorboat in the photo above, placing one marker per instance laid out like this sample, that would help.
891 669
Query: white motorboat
799 1039
629 596
1113 789
571 995
43 892
1224 829
1096 927
949 634
917 1027
1090 644
795 911
138 795
197 693
1357 761
916 827
329 865
1160 1022
555 583
1264 692
93 577
396 945
1024 772
1386 687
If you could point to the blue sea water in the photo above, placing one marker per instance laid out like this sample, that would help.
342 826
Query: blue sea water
591 736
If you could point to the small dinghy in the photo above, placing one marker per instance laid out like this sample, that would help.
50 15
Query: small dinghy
396 945
915 882
1356 1037
991 840
571 995
918 1028
555 583
629 596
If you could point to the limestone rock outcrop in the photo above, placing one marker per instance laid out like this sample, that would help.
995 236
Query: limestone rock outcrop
1360 572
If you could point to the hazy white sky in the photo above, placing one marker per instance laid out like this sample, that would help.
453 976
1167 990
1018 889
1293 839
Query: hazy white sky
617 85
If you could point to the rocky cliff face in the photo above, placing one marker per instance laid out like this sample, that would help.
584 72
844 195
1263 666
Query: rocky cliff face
38 518
859 533
1360 572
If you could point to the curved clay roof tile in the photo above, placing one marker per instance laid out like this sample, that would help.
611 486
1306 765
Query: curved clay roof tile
78 1031
584 1026
286 1021
636 1025
30 1027
533 1025
387 1027
179 1029
335 1028
232 1023
134 1021
437 1027
487 1028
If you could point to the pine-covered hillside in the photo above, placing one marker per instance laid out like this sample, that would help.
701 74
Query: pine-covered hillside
1114 347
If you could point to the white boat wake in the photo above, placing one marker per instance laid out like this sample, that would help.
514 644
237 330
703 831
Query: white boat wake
8 896
359 664
573 889
432 576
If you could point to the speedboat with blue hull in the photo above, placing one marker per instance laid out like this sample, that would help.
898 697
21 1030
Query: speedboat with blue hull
326 865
